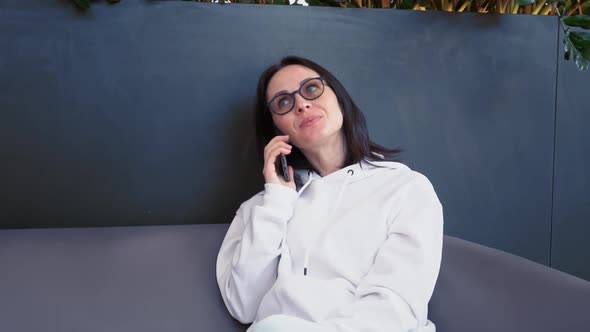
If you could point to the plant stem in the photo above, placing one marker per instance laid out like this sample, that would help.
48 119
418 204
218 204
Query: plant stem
538 7
465 4
572 10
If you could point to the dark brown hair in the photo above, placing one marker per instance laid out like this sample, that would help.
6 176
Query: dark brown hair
358 145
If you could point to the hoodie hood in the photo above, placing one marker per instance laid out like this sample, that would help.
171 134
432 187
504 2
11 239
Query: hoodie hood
348 174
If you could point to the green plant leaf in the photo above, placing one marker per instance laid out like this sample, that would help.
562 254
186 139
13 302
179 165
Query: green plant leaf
525 2
581 63
406 4
325 3
82 4
582 21
581 41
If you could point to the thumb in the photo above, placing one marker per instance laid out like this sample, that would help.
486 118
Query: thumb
291 174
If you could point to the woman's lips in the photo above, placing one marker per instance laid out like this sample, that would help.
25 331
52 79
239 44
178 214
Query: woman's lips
311 121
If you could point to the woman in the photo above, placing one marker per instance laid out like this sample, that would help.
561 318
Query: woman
351 242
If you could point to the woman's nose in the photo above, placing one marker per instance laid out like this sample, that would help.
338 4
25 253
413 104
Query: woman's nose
301 103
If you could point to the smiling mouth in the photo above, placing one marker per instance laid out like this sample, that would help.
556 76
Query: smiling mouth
310 121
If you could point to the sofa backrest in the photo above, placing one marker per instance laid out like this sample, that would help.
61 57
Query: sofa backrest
162 278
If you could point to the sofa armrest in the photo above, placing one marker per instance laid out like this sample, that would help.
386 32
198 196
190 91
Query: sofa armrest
484 289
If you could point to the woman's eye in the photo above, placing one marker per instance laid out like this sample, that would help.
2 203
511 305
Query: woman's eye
311 88
283 102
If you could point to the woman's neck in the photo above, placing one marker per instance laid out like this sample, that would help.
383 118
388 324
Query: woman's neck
329 156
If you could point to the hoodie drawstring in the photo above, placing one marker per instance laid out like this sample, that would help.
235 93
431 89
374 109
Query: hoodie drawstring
310 174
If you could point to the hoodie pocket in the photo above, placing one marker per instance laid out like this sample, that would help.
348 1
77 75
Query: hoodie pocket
311 298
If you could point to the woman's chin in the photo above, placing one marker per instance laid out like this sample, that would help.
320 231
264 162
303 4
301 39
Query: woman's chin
310 139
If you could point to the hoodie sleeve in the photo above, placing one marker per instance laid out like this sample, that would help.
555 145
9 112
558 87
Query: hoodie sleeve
248 258
394 294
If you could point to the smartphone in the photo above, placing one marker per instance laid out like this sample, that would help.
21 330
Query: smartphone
284 168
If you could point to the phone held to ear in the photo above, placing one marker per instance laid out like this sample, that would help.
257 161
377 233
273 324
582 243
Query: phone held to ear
285 168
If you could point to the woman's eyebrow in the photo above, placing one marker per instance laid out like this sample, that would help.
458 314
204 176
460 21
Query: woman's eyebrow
305 79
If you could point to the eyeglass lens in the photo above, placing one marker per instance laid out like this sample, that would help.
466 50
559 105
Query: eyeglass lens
311 89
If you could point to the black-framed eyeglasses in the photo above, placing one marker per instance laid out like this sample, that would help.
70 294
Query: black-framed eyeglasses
310 89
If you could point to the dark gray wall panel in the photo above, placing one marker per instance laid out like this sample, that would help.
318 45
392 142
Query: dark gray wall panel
477 117
571 214
139 113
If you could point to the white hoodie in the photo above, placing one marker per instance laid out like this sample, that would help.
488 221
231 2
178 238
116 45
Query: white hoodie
356 250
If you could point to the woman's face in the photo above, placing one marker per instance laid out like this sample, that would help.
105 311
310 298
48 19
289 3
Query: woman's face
324 112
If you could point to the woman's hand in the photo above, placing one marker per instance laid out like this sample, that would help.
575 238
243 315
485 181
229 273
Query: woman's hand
272 150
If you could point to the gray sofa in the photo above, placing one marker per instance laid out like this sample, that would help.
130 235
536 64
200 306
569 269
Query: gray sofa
162 278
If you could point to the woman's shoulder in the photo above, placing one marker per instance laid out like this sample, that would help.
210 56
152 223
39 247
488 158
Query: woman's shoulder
256 199
401 174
